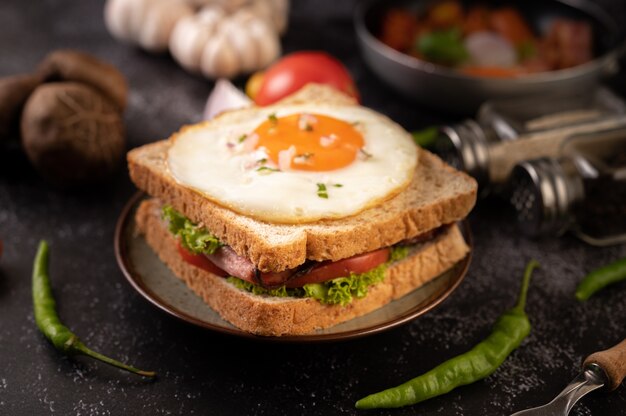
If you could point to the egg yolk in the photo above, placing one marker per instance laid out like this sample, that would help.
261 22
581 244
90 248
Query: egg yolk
310 142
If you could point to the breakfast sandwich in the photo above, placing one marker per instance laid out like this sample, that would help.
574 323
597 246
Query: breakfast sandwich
301 215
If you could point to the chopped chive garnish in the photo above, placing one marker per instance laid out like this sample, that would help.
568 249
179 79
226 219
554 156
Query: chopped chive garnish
266 169
242 138
365 153
261 161
272 117
305 122
337 185
321 191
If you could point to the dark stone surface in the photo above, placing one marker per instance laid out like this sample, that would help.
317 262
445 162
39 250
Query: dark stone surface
204 373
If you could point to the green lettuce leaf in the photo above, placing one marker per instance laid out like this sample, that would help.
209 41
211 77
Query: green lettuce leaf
195 239
341 290
280 292
399 253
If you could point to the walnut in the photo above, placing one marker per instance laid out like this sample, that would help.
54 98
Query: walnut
70 65
14 91
72 134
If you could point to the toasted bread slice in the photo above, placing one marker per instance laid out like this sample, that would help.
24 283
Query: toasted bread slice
264 315
437 195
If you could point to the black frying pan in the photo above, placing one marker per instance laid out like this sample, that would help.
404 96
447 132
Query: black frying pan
450 90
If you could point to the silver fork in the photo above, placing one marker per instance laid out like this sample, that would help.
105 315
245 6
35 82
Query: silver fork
604 368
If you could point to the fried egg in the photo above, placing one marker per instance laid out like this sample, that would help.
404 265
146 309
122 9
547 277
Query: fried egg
295 164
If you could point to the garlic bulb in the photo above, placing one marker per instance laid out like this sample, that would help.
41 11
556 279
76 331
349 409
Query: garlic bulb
223 46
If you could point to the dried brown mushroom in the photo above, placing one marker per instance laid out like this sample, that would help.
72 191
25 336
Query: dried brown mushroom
14 91
71 65
72 134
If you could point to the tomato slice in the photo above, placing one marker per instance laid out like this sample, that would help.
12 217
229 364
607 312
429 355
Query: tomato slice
200 260
342 268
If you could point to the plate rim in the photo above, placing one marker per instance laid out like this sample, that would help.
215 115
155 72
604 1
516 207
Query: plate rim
134 278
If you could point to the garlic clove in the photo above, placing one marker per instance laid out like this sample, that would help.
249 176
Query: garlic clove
197 4
267 42
219 59
231 6
244 16
187 41
245 47
280 14
116 18
124 18
191 33
137 11
159 22
211 16
263 10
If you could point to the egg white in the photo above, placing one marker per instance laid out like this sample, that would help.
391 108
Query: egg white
210 159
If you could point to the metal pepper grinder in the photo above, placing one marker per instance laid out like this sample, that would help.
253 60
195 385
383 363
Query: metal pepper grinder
584 190
506 132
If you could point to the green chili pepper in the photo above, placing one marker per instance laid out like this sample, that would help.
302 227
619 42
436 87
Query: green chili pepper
48 321
600 278
482 360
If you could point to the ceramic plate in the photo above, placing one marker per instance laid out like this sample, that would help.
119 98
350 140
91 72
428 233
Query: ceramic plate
154 280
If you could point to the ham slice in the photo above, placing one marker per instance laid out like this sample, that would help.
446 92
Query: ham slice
226 259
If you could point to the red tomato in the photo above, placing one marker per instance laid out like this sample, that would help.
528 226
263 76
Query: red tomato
200 261
342 268
296 70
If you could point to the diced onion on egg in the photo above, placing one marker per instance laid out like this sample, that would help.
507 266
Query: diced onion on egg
285 157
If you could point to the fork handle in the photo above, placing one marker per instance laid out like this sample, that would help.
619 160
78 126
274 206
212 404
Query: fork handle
613 362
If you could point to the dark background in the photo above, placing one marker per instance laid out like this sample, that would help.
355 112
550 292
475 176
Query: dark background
205 373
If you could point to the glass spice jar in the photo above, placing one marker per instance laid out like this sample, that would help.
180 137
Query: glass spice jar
508 131
584 190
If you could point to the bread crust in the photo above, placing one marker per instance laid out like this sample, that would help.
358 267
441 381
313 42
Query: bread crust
271 316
